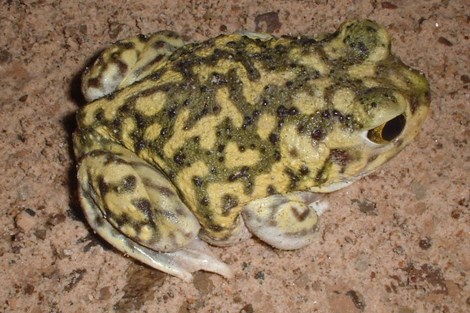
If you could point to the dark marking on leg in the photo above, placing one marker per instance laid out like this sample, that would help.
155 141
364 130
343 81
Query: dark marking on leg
164 191
304 170
271 190
228 202
144 206
102 186
301 216
129 183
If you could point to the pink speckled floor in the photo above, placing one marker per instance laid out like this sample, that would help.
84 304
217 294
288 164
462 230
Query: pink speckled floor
396 241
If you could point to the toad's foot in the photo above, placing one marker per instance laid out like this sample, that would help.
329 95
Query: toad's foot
193 257
285 222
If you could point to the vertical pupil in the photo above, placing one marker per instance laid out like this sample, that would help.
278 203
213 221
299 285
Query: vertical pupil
393 128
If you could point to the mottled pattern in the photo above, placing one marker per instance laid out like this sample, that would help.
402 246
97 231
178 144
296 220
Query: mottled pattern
242 117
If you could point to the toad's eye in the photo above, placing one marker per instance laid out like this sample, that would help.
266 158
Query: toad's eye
388 131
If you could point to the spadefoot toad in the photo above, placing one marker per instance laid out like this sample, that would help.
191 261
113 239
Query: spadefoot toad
211 142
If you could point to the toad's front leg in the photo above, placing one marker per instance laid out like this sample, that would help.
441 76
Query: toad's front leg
287 221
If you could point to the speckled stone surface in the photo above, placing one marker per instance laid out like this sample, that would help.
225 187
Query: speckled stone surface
396 241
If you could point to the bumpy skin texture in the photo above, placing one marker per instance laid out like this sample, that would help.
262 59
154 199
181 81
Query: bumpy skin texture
239 118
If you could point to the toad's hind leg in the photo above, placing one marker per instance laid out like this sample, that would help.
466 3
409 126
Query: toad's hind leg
126 62
136 209
285 222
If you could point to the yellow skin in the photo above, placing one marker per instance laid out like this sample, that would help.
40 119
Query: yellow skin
235 136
